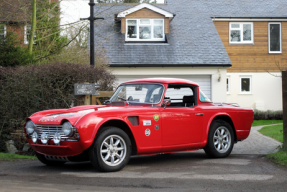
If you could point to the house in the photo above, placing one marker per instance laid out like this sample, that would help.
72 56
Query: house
229 48
14 17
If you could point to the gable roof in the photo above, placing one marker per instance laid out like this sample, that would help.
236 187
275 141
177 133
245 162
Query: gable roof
193 39
142 6
15 10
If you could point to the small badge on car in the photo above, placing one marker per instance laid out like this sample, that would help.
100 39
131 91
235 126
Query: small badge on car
147 132
156 127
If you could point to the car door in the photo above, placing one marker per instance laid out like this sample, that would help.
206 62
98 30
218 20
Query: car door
181 122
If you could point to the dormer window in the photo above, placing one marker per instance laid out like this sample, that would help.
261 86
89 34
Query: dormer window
145 23
145 30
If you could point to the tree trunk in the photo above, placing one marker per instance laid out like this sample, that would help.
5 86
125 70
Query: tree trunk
284 101
33 28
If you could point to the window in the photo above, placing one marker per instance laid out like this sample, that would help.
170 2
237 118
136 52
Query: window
2 31
240 33
139 93
27 30
145 30
227 85
274 31
245 85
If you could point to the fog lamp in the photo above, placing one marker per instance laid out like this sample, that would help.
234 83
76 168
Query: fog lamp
44 138
34 137
57 138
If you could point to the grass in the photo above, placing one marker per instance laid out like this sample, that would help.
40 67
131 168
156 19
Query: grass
12 157
265 122
279 157
274 131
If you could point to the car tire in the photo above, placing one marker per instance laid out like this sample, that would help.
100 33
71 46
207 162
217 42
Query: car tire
111 150
220 139
48 162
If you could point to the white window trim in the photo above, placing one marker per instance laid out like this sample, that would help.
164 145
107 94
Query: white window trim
245 92
275 52
152 31
5 29
241 31
228 91
26 41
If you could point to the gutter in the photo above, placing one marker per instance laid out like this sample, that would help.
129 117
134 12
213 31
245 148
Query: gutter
249 18
170 65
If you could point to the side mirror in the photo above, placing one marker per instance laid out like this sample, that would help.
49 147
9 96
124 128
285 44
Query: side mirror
166 102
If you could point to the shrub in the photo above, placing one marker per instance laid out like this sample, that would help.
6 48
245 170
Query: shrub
28 89
12 54
268 115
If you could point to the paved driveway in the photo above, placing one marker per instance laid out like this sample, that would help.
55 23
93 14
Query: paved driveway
246 169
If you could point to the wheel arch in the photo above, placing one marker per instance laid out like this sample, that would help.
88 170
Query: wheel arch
226 118
123 126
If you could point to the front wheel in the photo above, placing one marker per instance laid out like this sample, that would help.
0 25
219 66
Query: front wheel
111 150
220 139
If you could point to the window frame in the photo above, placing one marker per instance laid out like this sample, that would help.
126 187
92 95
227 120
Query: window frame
250 85
26 41
241 33
228 85
5 29
152 30
274 52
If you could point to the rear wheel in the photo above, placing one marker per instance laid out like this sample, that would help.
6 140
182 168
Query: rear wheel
43 159
220 139
111 150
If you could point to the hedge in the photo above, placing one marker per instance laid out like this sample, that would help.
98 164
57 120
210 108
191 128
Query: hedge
25 90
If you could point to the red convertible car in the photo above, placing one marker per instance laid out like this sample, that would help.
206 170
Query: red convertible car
143 117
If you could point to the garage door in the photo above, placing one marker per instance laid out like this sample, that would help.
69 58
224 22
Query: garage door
204 81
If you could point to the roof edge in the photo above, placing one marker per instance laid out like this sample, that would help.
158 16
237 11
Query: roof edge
142 6
170 65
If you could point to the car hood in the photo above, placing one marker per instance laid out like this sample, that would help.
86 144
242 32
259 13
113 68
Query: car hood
56 117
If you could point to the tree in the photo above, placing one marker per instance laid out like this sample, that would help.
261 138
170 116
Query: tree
284 100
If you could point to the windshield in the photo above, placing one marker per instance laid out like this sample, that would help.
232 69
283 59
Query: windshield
139 93
203 97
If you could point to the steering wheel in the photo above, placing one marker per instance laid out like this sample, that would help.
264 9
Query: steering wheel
130 98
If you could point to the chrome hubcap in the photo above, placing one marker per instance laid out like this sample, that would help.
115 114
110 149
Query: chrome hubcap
113 150
221 139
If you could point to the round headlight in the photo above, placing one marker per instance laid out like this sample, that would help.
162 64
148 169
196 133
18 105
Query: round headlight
57 138
44 138
68 129
34 137
30 127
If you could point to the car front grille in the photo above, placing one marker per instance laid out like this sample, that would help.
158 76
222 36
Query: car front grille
50 130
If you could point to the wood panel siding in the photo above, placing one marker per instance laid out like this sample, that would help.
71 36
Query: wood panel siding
123 25
255 57
146 14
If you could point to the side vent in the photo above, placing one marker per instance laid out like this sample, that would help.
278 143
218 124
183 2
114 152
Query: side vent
134 120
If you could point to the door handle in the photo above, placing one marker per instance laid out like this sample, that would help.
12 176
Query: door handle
199 114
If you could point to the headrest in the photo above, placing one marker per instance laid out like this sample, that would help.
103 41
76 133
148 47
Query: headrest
188 99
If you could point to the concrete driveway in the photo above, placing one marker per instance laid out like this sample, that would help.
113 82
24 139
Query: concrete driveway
246 169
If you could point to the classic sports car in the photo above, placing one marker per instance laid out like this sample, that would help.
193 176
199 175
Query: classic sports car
143 117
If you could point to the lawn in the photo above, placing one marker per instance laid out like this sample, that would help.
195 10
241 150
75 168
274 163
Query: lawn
265 122
276 132
11 157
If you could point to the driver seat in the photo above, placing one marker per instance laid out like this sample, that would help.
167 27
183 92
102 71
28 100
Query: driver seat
188 100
